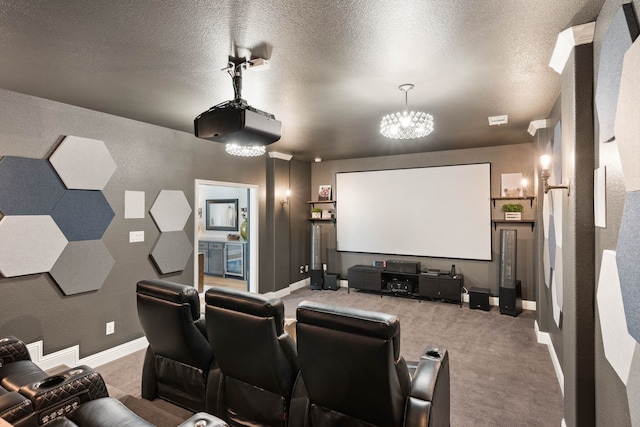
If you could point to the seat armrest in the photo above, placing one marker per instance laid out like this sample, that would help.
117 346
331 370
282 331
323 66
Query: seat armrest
14 406
12 350
428 403
203 419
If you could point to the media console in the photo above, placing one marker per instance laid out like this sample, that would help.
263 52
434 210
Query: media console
419 285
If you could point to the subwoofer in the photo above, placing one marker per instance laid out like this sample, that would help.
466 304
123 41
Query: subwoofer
509 289
316 276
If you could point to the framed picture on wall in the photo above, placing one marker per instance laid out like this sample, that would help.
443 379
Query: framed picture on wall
324 193
511 185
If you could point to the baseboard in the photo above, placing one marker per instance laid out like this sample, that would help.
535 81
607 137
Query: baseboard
286 291
495 301
545 338
71 356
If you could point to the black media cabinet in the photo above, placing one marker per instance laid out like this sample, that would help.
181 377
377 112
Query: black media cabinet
412 285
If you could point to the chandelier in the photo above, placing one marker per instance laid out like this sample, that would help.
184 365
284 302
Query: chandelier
406 124
245 150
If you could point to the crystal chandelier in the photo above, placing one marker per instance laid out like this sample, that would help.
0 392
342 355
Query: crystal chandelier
245 150
407 124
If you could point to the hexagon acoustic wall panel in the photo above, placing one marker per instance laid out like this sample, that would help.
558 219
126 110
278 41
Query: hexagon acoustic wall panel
633 388
30 244
82 267
557 311
171 252
28 186
170 210
622 31
546 263
83 163
83 214
619 345
552 243
627 261
556 156
559 275
627 125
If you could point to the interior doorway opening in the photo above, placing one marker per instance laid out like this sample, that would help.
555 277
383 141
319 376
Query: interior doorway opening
217 252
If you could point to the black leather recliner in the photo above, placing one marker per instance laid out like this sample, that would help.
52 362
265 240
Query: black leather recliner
351 372
256 357
179 358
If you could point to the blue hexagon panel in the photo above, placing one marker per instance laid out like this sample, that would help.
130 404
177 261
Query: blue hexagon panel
627 261
82 267
28 186
171 252
83 214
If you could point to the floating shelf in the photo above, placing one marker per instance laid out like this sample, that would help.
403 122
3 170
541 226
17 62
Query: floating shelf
509 221
530 198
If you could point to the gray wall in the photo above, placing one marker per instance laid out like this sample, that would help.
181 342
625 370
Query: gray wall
503 159
149 158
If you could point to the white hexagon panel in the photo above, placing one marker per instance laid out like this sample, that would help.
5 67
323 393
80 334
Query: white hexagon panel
627 125
170 210
82 267
619 345
171 252
30 244
83 163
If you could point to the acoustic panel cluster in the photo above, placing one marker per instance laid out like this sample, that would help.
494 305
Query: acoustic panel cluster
619 282
55 215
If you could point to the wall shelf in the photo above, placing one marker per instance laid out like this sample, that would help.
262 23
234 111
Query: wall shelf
509 221
323 202
530 198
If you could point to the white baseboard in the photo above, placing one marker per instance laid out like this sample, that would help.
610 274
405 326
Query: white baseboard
545 338
71 356
286 291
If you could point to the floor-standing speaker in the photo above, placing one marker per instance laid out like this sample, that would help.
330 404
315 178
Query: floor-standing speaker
509 289
316 276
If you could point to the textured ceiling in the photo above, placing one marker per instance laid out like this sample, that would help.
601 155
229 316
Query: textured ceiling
335 65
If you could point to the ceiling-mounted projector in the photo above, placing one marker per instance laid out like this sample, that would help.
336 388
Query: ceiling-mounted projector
236 121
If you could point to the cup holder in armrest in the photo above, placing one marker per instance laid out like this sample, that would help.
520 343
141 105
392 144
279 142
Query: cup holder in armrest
50 382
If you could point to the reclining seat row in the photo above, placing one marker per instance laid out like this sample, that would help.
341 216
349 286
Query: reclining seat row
350 372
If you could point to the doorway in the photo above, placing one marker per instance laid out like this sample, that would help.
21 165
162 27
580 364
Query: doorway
246 196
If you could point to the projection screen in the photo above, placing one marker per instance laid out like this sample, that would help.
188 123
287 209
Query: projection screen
441 211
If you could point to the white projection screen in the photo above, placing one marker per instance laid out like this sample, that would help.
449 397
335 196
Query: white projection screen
441 211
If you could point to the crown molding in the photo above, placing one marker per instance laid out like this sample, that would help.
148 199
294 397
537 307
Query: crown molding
537 124
282 156
567 40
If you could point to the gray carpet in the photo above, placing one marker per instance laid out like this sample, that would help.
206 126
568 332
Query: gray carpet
500 375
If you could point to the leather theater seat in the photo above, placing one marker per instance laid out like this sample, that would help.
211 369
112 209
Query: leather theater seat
178 359
256 357
352 372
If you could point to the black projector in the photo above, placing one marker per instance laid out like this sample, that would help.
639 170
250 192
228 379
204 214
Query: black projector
237 122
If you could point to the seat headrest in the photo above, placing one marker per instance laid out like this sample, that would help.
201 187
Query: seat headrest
352 320
173 292
247 302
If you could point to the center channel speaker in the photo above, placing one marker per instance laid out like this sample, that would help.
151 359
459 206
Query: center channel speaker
316 276
509 290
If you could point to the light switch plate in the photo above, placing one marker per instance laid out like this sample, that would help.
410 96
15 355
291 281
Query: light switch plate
136 236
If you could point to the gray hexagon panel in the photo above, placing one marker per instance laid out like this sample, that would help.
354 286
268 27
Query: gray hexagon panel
556 157
627 261
627 126
83 214
83 163
170 210
633 388
28 186
30 244
171 252
552 242
619 345
622 31
82 267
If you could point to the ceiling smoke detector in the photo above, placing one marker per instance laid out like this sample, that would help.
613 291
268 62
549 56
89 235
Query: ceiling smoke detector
498 120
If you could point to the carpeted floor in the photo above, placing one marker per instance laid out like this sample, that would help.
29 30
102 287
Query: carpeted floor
500 375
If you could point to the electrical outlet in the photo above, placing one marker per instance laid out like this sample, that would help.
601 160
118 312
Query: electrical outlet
302 269
306 268
111 327
136 236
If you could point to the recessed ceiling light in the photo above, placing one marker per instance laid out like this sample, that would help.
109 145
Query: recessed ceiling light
318 159
498 120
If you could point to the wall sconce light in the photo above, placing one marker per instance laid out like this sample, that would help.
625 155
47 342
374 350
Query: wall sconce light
545 161
285 201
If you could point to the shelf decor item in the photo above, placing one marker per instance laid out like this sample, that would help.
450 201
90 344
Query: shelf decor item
512 211
316 213
243 226
324 193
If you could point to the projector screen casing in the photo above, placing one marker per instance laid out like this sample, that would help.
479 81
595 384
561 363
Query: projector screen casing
441 211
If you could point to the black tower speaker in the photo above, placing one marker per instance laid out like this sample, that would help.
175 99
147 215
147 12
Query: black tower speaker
510 289
316 276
